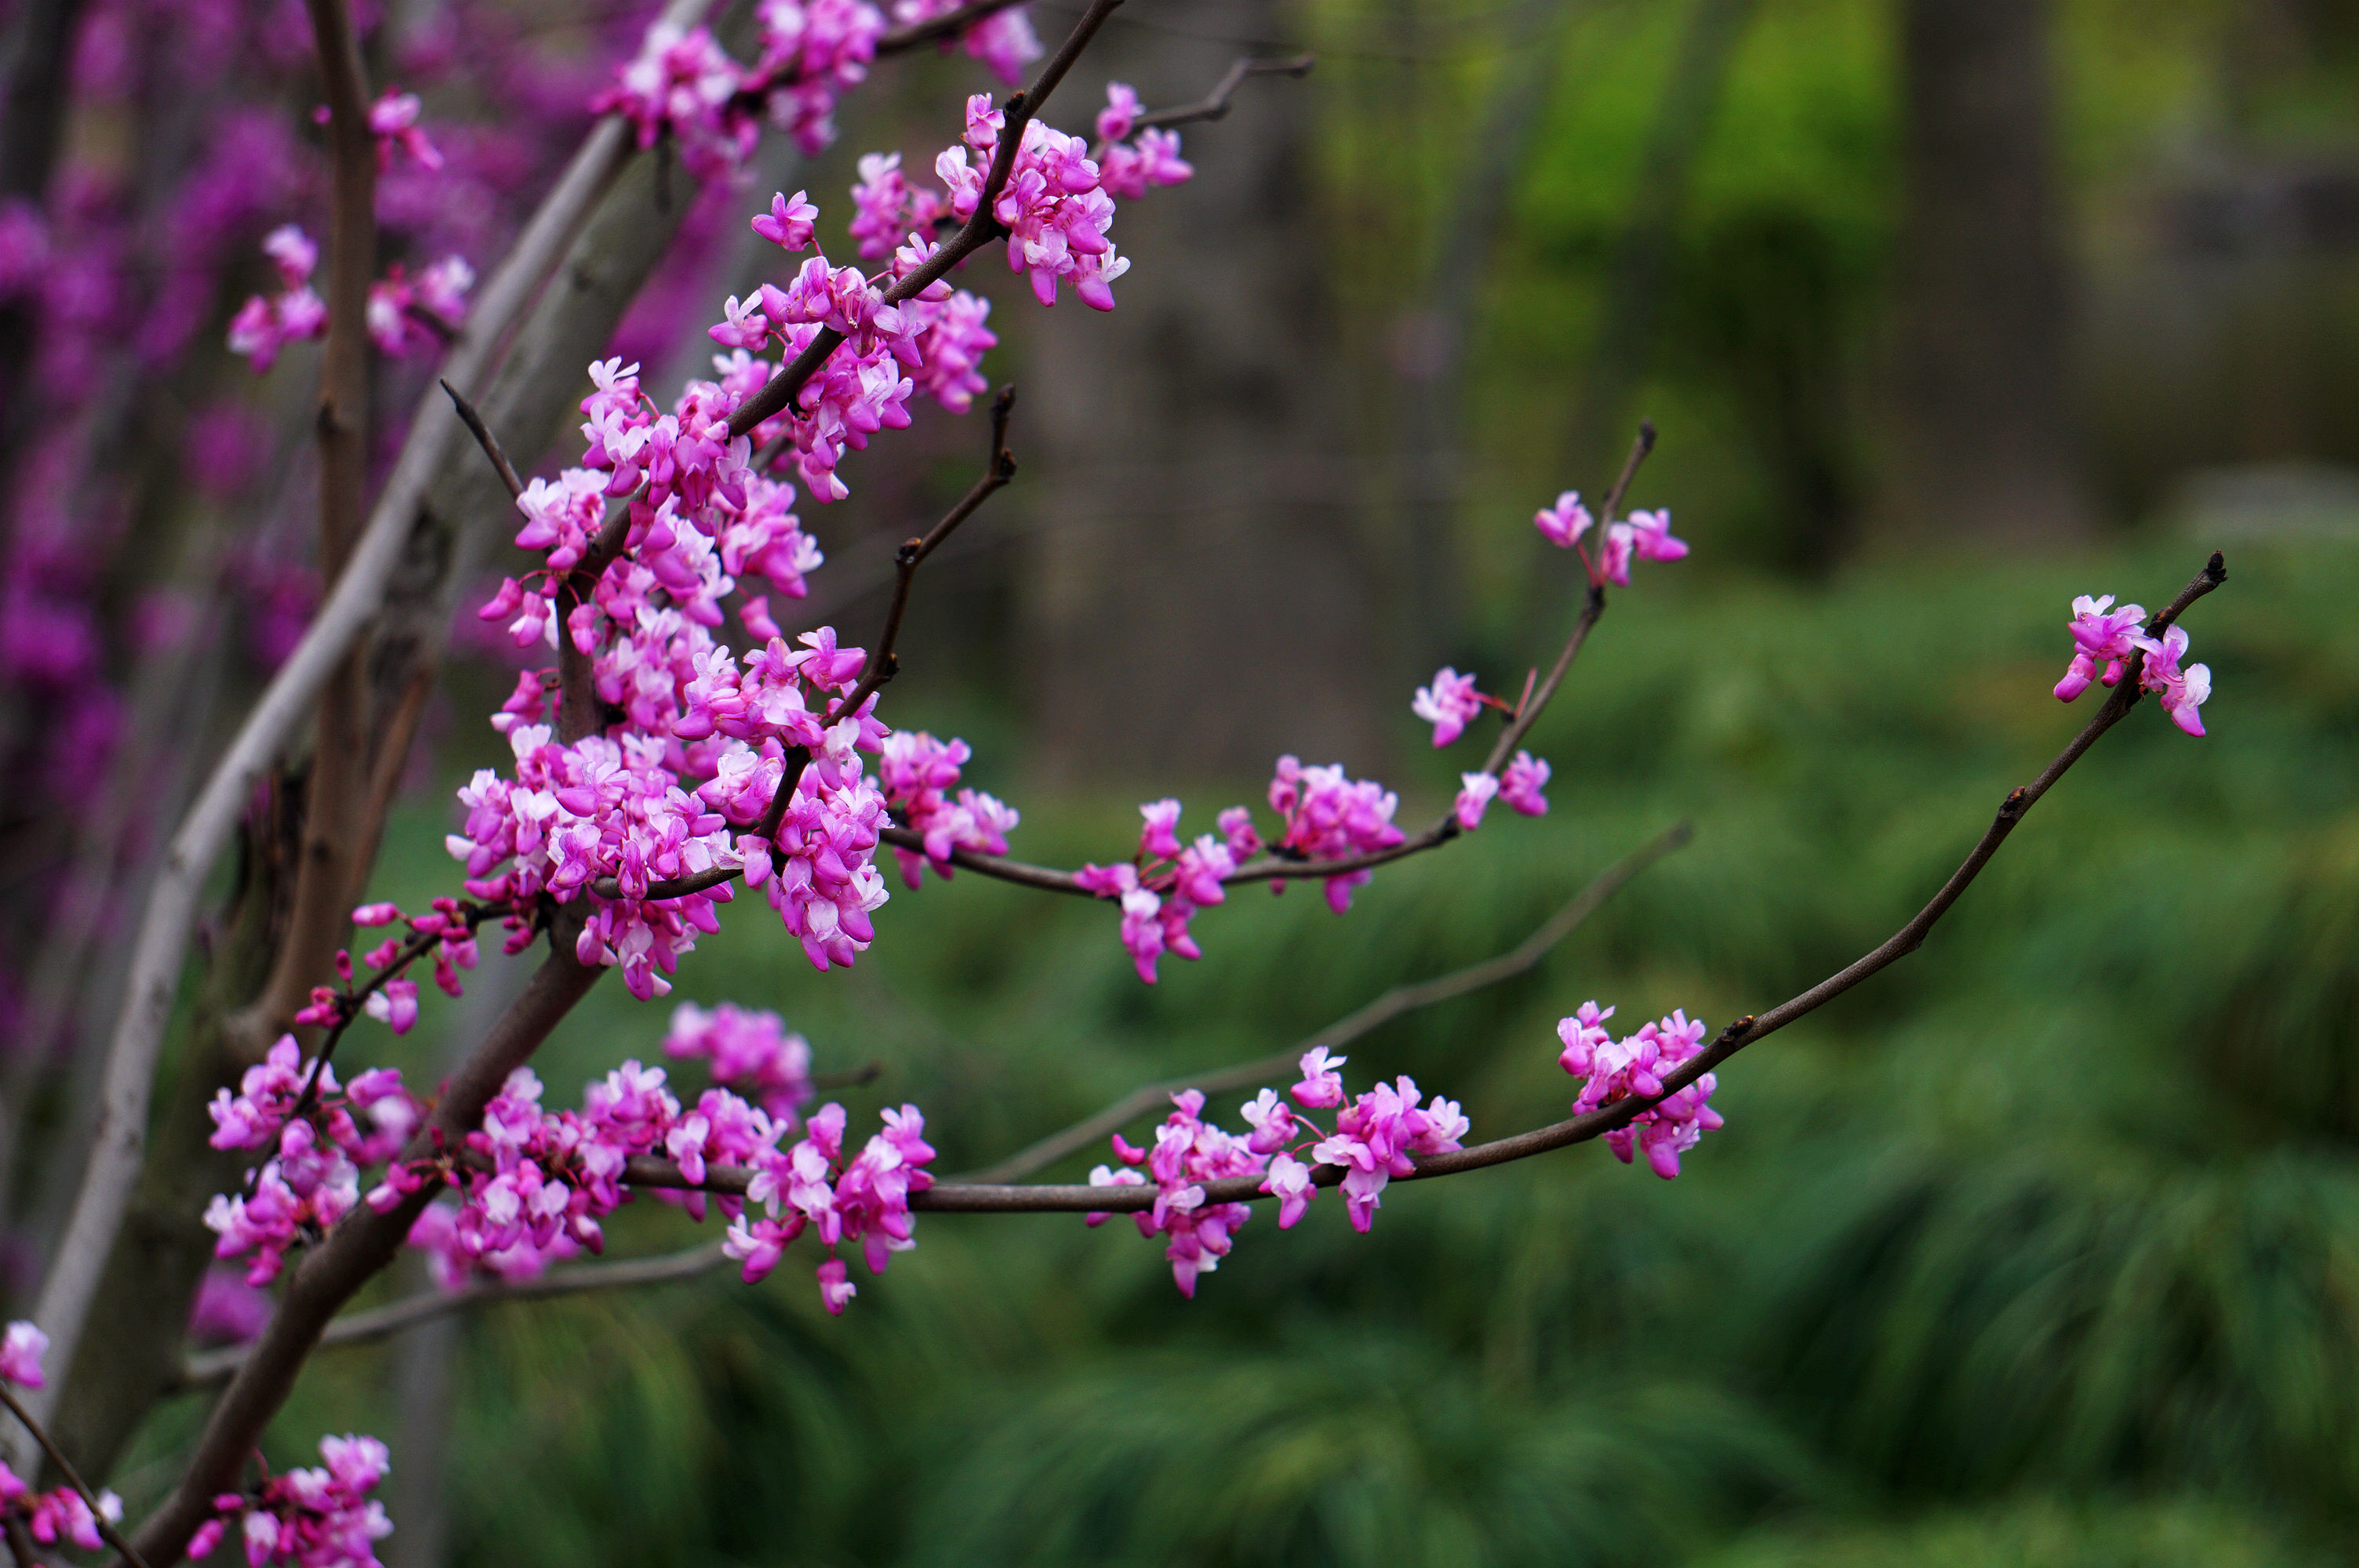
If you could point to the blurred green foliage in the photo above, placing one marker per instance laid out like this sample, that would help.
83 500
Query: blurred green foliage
2042 1249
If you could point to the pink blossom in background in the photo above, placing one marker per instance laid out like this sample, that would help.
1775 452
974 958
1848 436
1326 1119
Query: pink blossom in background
748 1049
228 1310
1646 536
21 1349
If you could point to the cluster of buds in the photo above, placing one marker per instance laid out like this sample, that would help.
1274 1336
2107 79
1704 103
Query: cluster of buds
918 774
1634 1068
2103 635
55 1516
864 1199
319 1516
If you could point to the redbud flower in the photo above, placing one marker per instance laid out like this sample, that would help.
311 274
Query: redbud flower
2100 635
1475 793
2182 691
1564 522
1447 703
20 1355
1290 1182
790 222
1520 785
1321 1085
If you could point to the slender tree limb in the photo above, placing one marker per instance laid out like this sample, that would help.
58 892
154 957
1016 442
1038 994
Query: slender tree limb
317 920
1392 1004
212 1368
1215 105
994 1198
106 1530
1273 867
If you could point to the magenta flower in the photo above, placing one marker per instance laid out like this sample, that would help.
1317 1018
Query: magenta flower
1475 793
1646 536
1447 703
1563 523
2102 635
20 1355
1322 1086
790 222
2182 691
1520 785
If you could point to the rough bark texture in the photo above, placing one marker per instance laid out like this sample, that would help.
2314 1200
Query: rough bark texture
1983 444
1195 599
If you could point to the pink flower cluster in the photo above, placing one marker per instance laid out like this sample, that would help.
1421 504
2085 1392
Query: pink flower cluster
1054 209
1004 41
393 120
1635 1068
2103 634
1128 169
917 773
316 1517
811 1184
313 1180
749 1050
1644 536
1329 816
393 1001
403 312
1374 1138
1161 890
534 1184
1518 785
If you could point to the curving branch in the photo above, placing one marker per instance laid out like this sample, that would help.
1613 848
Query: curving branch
979 1197
106 1530
1392 1004
1215 105
1275 866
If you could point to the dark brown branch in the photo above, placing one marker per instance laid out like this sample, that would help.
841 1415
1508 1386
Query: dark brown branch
1392 1004
978 231
948 24
360 1246
1215 105
106 1529
486 439
1075 1198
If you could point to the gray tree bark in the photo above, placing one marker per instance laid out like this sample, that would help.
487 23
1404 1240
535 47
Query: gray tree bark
1196 597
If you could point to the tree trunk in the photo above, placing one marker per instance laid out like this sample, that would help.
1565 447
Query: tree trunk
1197 597
1984 448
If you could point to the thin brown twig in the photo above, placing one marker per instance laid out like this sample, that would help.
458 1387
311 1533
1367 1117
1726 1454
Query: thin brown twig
1275 866
112 1536
469 416
1383 1009
1215 104
948 24
1073 1198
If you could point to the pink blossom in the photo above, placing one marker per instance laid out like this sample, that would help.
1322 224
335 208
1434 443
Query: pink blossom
790 222
1475 793
751 1051
1447 703
1521 783
1636 1068
21 1350
1290 1182
2182 691
1322 1086
1647 536
2100 635
1563 523
1330 816
393 119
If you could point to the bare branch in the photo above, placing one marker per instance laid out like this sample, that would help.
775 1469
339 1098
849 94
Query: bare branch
1215 105
485 438
949 24
1392 1004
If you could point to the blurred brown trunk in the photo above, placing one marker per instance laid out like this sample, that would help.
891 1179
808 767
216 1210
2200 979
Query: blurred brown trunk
1983 444
1197 599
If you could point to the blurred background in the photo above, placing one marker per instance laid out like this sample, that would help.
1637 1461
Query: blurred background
2042 1249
